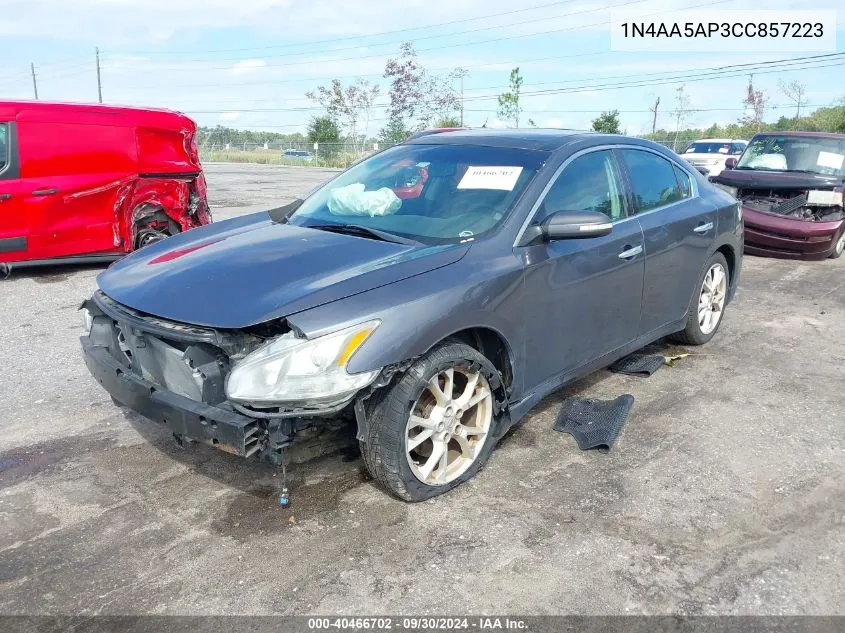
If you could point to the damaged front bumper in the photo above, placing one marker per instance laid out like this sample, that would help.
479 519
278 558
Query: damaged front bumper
770 235
227 430
173 374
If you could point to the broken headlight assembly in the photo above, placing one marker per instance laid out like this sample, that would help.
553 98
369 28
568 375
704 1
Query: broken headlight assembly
295 371
87 319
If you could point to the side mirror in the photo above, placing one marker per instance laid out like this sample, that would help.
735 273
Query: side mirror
730 162
567 225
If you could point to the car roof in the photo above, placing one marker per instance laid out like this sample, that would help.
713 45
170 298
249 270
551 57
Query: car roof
797 133
89 112
538 139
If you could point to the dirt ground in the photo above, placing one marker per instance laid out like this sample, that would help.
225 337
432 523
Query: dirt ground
724 495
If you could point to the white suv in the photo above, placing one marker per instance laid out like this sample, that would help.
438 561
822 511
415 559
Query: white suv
709 154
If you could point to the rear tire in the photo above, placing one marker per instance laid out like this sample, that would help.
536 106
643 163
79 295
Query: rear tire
435 426
839 247
708 303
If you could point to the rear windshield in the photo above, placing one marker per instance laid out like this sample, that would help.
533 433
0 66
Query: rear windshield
430 193
714 148
811 154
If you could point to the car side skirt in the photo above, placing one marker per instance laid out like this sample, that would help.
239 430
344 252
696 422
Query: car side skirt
519 408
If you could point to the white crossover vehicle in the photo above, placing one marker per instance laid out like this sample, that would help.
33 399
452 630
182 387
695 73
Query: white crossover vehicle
708 155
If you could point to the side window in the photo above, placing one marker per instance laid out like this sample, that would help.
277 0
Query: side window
653 180
589 183
4 145
736 149
684 184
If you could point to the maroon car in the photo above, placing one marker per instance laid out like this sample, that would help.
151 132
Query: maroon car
791 186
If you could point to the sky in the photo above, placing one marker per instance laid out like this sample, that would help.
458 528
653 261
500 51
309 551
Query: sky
248 63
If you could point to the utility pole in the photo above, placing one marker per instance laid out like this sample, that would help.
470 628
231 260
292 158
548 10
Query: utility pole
34 81
462 99
461 73
99 81
654 120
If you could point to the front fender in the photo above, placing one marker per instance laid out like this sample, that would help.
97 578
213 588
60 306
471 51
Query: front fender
419 312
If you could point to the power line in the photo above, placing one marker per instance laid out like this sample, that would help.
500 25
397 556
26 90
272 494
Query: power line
782 65
455 45
428 37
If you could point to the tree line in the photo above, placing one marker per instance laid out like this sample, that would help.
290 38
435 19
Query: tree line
418 98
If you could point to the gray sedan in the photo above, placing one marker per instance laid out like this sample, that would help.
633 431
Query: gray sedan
434 293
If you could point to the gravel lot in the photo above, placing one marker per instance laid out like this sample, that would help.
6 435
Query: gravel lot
725 493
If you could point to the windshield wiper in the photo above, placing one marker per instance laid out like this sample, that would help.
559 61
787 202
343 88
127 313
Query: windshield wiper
363 231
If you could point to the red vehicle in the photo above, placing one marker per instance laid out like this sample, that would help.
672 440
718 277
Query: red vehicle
792 188
84 183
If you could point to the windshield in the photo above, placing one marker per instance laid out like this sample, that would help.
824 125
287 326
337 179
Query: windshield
714 148
434 194
815 154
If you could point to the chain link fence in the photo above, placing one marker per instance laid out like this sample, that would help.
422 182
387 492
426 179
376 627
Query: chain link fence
302 154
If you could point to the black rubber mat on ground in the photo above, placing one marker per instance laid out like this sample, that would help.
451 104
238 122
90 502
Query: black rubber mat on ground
638 364
594 423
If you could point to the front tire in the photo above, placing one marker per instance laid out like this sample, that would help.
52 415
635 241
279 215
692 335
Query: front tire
708 303
435 427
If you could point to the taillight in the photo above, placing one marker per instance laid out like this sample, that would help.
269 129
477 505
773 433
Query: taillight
191 148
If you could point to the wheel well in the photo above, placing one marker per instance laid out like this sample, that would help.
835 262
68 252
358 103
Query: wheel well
148 214
730 256
493 346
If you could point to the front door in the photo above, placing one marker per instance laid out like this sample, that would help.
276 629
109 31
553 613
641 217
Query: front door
583 296
678 227
14 224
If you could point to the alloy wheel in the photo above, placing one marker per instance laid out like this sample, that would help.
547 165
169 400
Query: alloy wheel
711 302
840 245
449 425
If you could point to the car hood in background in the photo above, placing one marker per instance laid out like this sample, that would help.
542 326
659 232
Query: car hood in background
250 270
704 158
764 179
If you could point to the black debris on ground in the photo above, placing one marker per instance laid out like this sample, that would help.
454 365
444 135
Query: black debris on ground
594 423
638 364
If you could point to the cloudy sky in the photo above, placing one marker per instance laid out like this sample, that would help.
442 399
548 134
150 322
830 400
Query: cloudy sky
248 63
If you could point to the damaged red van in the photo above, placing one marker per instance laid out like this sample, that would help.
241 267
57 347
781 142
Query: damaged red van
85 183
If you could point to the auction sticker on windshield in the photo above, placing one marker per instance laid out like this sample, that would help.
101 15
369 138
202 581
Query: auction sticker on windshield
830 159
488 177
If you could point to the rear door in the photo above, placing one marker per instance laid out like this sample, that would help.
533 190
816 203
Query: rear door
678 229
14 224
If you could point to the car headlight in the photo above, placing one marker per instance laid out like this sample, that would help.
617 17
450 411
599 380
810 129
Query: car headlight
297 371
87 319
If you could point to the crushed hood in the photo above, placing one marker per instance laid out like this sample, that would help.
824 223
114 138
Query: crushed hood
250 270
764 179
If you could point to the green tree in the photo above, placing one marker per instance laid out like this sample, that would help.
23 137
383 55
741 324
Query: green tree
448 121
509 108
322 129
417 98
351 105
394 132
607 122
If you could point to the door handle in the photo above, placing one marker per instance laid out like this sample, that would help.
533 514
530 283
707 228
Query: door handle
45 192
703 228
630 252
5 196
